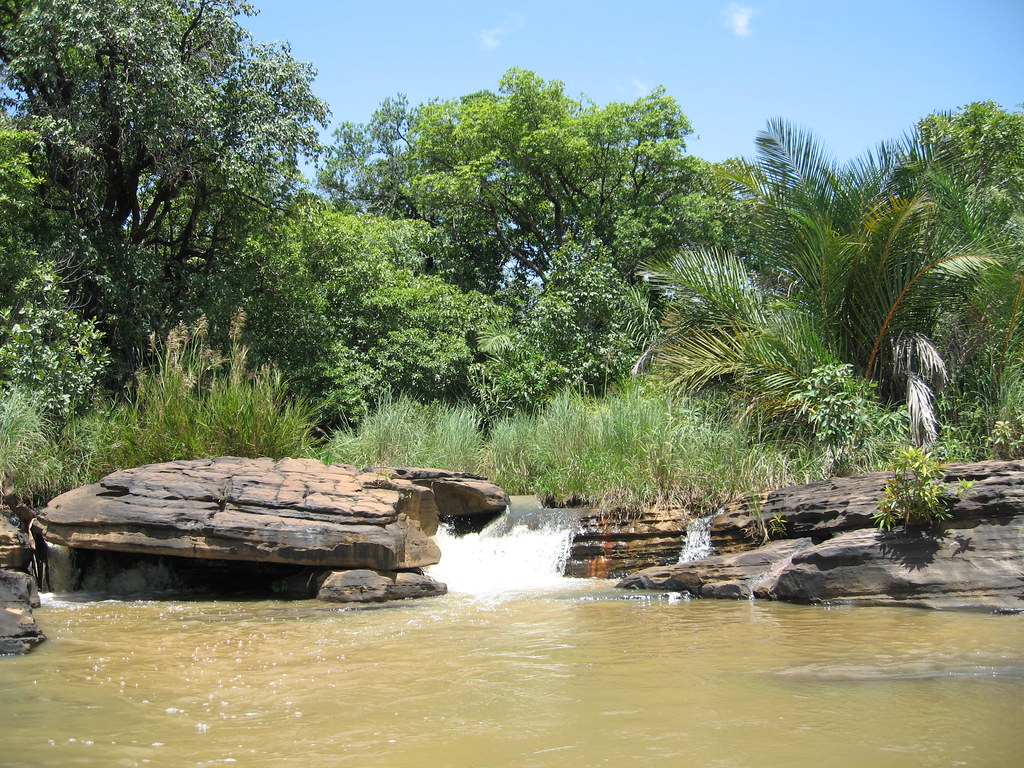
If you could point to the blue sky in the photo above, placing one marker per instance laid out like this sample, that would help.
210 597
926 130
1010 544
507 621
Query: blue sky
854 71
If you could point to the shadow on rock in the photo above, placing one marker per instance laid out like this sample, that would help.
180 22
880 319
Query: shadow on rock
913 548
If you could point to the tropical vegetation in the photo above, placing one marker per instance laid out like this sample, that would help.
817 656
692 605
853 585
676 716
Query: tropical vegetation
518 282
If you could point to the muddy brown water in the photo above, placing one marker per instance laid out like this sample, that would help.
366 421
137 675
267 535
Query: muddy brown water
530 672
575 676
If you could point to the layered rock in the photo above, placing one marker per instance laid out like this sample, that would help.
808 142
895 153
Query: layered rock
465 502
15 548
19 632
610 544
830 551
753 573
291 511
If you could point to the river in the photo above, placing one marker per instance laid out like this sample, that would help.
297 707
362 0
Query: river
515 667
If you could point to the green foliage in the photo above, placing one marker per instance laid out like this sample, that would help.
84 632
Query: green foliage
583 332
915 494
509 178
340 307
846 419
194 403
25 441
853 265
47 348
403 433
630 449
40 459
1007 435
17 210
165 136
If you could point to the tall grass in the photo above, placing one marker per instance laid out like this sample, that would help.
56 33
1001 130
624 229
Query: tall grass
34 457
629 449
194 403
402 432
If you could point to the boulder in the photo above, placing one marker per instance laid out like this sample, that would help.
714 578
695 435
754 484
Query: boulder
969 565
15 549
371 586
829 551
19 632
300 512
735 575
465 502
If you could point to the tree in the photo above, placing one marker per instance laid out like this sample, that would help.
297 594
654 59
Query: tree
336 303
583 332
166 135
853 265
509 178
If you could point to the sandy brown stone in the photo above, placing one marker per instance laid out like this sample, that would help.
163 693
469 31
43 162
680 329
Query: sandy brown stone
614 543
832 553
370 586
464 501
291 511
19 632
15 550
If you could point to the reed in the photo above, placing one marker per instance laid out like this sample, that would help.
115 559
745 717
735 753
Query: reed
404 433
629 449
194 403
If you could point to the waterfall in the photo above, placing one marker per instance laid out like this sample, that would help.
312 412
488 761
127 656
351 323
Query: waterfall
524 549
60 562
697 543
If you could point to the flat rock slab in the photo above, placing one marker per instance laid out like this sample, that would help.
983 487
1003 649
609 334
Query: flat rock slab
290 511
979 566
833 554
828 507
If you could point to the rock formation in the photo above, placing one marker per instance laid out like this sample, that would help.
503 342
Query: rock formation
609 544
19 632
465 502
368 586
291 511
827 549
15 549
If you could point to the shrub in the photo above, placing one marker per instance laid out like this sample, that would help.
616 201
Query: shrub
848 422
915 493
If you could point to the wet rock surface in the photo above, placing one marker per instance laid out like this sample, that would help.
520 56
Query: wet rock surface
19 632
610 544
370 586
828 551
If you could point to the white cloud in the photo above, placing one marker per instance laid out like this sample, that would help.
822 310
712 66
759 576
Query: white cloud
492 38
737 18
641 88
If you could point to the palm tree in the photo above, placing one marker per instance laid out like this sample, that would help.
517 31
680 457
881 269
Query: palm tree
853 265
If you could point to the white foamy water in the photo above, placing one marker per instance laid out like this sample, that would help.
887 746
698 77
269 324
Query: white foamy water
697 544
523 550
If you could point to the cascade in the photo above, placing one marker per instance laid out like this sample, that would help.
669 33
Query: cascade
524 549
697 543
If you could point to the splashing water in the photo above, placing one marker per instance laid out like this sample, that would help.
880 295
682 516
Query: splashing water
697 544
523 550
